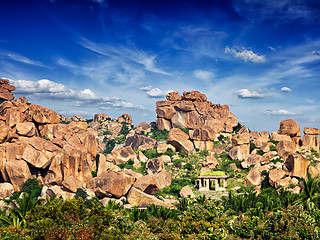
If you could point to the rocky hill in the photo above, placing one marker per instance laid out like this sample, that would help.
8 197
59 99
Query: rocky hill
148 163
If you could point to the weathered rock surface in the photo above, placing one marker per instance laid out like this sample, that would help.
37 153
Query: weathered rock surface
275 175
289 127
210 162
311 131
124 118
297 165
186 191
101 117
285 148
155 166
6 90
115 183
137 198
241 152
180 140
140 142
18 172
123 154
5 190
311 142
143 128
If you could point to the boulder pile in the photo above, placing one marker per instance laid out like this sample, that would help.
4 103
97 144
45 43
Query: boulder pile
204 120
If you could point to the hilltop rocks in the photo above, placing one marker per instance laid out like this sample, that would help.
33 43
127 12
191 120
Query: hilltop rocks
289 127
123 154
192 110
311 131
311 142
18 172
241 147
143 128
6 189
100 117
78 118
155 166
285 148
180 140
6 90
42 115
137 198
124 118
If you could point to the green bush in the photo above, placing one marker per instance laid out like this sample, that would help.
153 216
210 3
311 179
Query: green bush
186 130
110 144
252 146
204 153
107 132
151 153
273 148
188 166
93 173
81 193
158 135
124 129
260 152
275 142
177 163
32 187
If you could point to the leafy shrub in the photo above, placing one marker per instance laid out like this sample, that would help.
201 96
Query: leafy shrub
315 153
252 146
32 187
107 132
204 153
120 140
260 152
189 166
186 130
124 129
151 153
158 135
93 173
220 138
81 193
110 144
44 137
275 142
169 152
177 163
273 148
183 154
127 165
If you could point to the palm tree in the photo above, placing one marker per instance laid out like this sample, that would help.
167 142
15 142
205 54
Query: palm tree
310 192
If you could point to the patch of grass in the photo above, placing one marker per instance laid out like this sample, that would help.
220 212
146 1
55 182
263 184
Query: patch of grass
158 135
274 142
273 148
260 152
127 165
213 173
252 146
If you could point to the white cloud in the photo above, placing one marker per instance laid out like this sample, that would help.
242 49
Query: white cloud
149 63
246 55
286 89
203 75
47 89
158 93
19 58
281 112
272 48
253 94
147 88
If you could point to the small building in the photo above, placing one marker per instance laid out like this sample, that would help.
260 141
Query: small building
204 182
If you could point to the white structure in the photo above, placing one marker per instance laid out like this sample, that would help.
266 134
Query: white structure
204 183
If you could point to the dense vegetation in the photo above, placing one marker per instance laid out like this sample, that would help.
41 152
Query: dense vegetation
272 214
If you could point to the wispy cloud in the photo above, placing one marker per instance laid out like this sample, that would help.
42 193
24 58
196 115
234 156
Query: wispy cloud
155 92
47 89
251 94
22 59
286 89
281 112
246 55
203 75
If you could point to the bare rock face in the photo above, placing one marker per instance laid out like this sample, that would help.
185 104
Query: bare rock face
139 141
163 179
240 139
186 191
275 175
180 140
311 131
6 190
147 184
311 142
137 198
163 147
203 145
143 127
253 178
78 118
193 111
123 155
253 159
42 115
285 148
6 90
277 137
202 134
210 162
27 129
289 127
297 165
115 183
124 118
155 166
72 184
4 131
18 172
241 152
101 117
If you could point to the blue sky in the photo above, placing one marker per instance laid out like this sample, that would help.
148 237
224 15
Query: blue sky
262 58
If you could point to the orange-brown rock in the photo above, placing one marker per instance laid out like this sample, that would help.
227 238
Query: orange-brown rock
297 165
311 131
137 198
18 172
6 90
289 127
101 117
4 130
6 190
253 178
186 120
240 139
166 112
14 151
240 152
115 183
55 171
72 184
253 159
123 154
140 141
163 179
210 162
173 96
78 118
27 129
42 115
275 175
202 134
277 137
143 128
203 145
311 142
147 184
13 116
163 124
285 148
180 140
163 147
194 96
314 170
124 118
186 191
155 166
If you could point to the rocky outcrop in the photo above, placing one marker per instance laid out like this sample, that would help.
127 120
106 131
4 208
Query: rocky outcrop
126 118
297 165
101 117
6 90
123 155
241 147
137 198
143 128
78 118
193 111
186 191
155 166
140 142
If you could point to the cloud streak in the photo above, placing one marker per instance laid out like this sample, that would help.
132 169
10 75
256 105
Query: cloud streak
250 94
246 55
281 112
